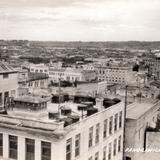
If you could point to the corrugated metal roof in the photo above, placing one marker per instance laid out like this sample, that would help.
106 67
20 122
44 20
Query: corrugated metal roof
6 68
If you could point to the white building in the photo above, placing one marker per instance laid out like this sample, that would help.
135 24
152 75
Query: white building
71 74
139 116
8 83
39 68
42 137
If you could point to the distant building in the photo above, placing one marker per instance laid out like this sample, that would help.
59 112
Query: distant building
115 74
139 116
152 61
71 74
8 83
38 68
36 135
28 82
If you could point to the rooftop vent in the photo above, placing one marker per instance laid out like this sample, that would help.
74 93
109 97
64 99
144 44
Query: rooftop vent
53 115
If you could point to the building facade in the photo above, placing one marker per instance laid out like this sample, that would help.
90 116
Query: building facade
93 137
8 83
38 68
118 74
139 116
71 74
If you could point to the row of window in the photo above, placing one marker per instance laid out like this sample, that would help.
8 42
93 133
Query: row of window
105 71
112 126
37 83
113 149
115 123
41 71
29 148
69 147
112 80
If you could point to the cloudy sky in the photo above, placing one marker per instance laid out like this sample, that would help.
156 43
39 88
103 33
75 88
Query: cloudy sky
85 20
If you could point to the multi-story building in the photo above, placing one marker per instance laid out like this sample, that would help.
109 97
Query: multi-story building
32 81
64 135
71 74
39 68
152 61
115 74
139 117
8 83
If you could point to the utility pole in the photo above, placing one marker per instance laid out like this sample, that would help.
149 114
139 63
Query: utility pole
59 98
124 126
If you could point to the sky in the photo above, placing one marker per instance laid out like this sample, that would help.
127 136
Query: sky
80 20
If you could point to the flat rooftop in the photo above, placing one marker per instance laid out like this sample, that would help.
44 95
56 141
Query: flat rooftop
136 110
31 99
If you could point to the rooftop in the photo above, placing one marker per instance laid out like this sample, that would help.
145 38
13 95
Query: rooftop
6 68
30 99
136 110
47 121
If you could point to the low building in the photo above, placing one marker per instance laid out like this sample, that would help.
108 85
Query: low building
139 117
34 80
71 74
8 83
38 68
63 135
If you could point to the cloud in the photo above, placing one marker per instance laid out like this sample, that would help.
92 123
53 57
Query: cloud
80 19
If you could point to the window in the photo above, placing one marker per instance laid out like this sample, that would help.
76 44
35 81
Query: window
45 150
77 145
5 75
109 151
30 149
1 144
6 95
13 92
97 133
69 149
120 119
104 153
0 98
115 147
115 122
110 124
13 147
90 137
96 156
105 129
119 144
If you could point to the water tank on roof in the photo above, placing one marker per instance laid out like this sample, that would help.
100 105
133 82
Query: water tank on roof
91 111
53 115
82 107
65 111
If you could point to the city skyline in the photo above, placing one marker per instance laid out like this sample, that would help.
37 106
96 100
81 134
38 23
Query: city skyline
75 20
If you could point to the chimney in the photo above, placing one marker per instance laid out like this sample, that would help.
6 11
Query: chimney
99 103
